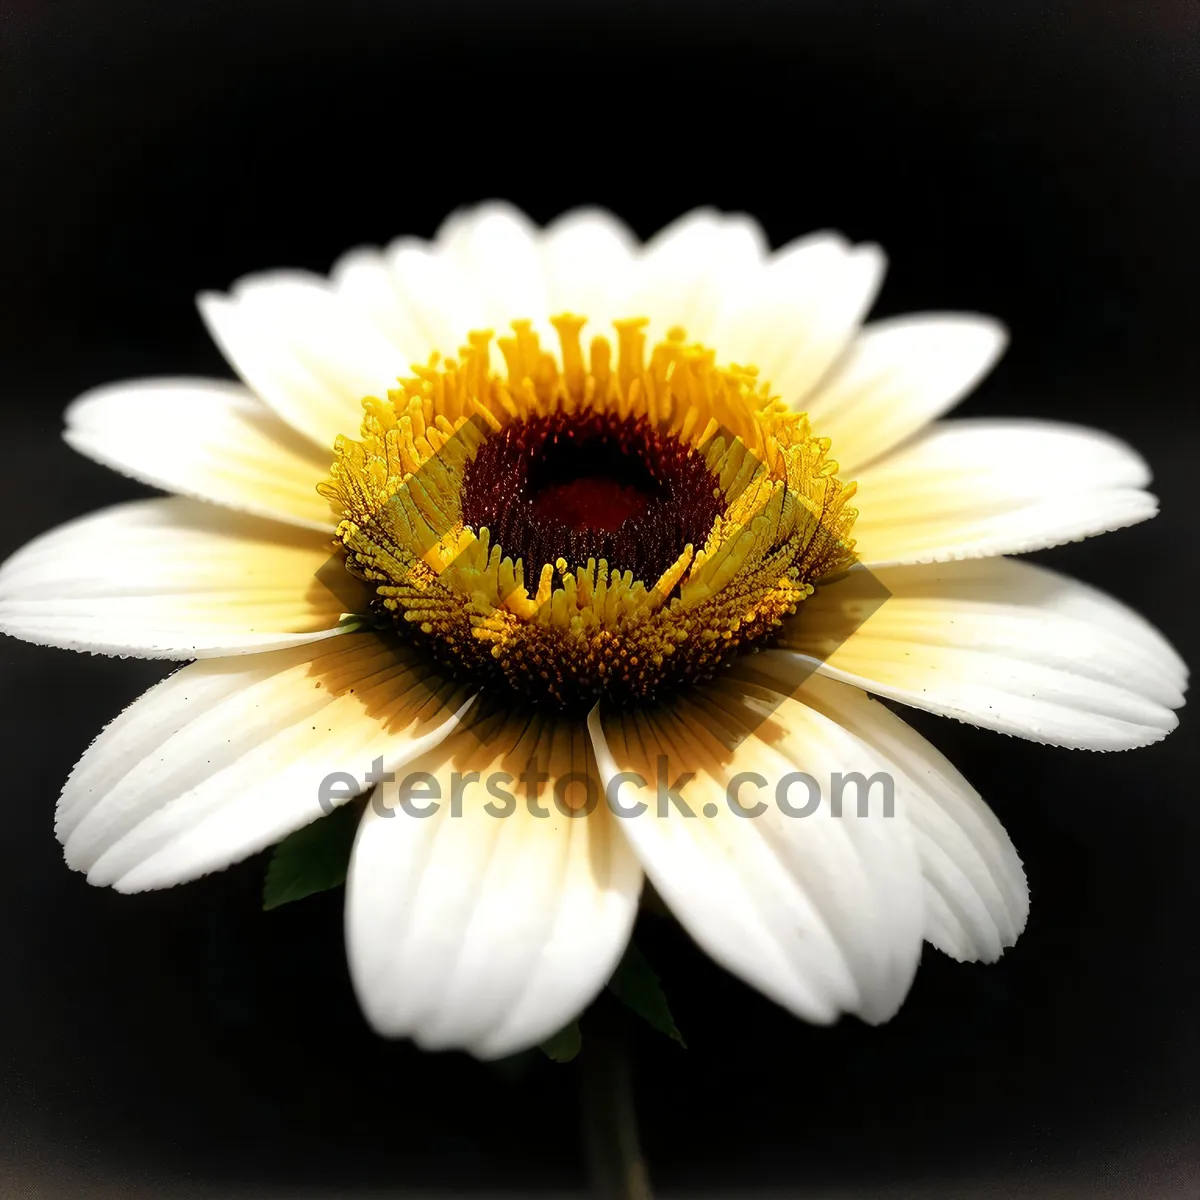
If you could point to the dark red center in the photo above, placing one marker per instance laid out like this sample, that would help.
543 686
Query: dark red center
593 502
588 485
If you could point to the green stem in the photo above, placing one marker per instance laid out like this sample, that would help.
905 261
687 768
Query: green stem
616 1170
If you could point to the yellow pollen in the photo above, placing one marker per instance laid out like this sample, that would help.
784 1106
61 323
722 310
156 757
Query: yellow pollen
568 632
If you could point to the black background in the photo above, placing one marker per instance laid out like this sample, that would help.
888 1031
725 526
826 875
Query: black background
1037 162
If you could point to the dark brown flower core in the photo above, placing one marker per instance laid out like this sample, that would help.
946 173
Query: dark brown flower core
590 485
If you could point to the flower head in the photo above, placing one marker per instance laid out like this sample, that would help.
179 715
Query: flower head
583 557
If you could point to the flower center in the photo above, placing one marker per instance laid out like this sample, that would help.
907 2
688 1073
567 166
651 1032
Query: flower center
580 486
588 524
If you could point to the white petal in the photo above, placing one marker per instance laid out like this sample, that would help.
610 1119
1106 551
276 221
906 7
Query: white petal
207 439
488 932
976 896
897 377
589 261
688 268
364 279
419 298
227 757
795 317
980 487
494 248
175 578
1001 644
437 298
823 914
304 350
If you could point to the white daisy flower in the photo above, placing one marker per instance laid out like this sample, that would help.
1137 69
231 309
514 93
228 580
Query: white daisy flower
530 567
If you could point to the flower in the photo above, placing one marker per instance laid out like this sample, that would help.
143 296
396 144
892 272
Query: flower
537 570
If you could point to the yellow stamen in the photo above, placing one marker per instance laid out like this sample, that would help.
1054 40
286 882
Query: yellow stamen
586 629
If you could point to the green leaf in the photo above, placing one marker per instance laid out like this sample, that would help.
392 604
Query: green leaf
565 1044
636 985
313 859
